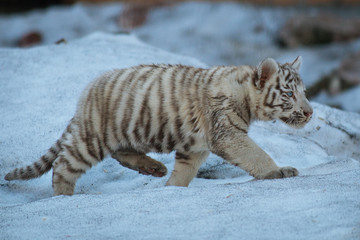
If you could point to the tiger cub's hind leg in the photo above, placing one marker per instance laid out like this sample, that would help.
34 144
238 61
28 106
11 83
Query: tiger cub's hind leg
70 164
64 176
141 163
186 168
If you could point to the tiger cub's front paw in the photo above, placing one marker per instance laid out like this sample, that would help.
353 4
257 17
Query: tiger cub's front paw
283 172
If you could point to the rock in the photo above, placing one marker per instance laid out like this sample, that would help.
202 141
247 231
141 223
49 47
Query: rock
346 76
30 39
349 70
135 14
321 29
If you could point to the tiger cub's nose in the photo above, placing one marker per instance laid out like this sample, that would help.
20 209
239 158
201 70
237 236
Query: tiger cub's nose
308 114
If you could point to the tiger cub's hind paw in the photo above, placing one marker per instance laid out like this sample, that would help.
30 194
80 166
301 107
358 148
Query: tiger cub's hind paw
283 172
141 163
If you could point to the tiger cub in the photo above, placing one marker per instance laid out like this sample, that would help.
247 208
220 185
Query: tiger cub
160 108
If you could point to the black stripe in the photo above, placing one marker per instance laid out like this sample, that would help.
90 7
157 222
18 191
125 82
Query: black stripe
29 171
61 179
90 133
53 151
148 126
129 109
101 150
248 108
178 125
75 153
163 117
122 89
69 168
170 142
47 163
86 129
45 159
273 98
108 116
235 125
242 118
155 145
182 156
220 98
211 77
145 112
136 133
38 166
184 162
267 97
173 82
287 76
277 83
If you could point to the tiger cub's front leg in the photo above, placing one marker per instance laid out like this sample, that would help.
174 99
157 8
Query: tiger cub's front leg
240 150
141 163
186 168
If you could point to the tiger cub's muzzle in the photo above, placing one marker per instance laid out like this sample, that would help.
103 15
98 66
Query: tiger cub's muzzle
299 118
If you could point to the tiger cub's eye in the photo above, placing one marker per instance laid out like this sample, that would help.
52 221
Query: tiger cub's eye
290 94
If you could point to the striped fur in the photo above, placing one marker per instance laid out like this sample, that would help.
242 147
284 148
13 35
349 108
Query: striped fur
160 108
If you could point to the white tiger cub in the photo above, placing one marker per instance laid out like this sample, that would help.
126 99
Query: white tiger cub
160 108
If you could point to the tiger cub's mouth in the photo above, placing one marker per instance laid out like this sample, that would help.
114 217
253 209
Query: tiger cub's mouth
296 122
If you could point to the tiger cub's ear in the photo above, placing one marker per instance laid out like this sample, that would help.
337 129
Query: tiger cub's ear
265 70
296 64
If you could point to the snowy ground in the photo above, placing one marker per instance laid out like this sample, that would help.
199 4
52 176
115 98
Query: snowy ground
39 90
215 33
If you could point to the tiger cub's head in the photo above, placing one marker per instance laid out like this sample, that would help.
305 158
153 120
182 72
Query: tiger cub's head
281 93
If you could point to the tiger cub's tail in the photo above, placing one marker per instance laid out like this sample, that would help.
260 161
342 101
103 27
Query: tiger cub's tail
38 168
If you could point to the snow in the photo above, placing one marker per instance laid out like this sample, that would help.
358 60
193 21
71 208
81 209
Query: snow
40 87
38 94
55 23
224 33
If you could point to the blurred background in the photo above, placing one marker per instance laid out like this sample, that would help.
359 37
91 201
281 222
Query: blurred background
326 33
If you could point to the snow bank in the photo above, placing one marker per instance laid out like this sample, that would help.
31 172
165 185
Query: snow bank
38 94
